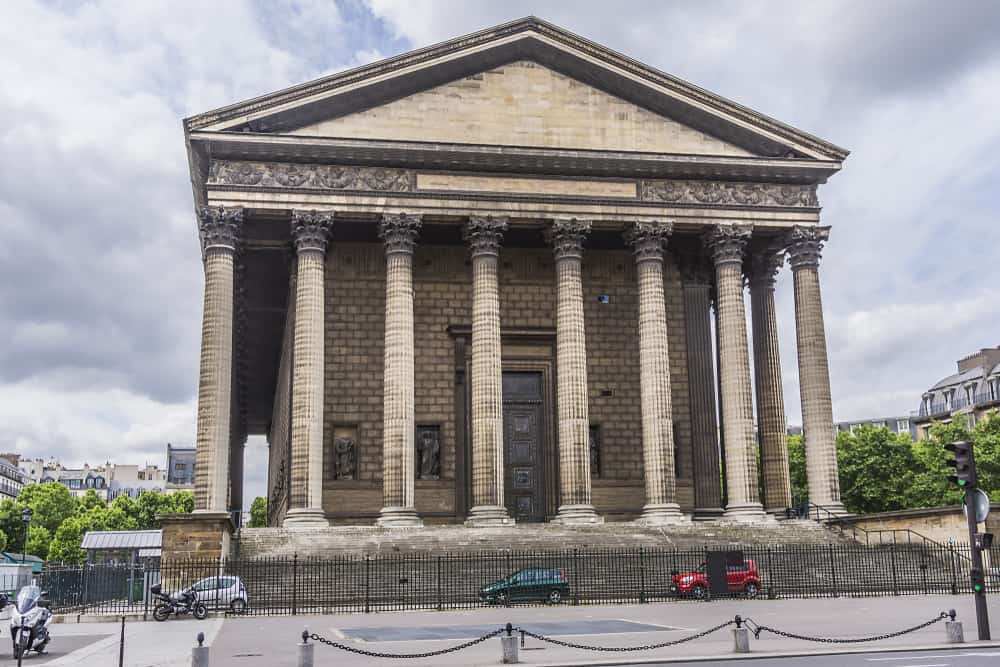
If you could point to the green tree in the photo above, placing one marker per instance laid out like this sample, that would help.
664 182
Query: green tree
65 546
183 502
877 468
39 539
3 541
11 524
797 467
258 512
51 504
90 500
931 487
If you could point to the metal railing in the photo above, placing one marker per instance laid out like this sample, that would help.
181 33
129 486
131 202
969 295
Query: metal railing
295 585
958 402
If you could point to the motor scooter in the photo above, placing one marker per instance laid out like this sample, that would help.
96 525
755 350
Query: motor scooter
29 621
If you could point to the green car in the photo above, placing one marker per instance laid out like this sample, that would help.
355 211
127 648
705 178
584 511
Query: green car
545 584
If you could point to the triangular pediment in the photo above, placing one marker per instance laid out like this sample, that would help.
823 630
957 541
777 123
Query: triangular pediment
524 83
524 103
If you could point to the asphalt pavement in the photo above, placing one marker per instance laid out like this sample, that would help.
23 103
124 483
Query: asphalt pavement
962 657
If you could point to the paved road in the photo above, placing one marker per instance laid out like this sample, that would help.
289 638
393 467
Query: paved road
65 645
963 657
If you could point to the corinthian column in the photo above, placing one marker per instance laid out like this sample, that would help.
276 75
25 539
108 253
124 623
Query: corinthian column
767 380
805 244
220 229
648 240
484 235
310 233
575 506
726 243
399 231
696 275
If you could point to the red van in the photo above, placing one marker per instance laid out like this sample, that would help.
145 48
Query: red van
741 579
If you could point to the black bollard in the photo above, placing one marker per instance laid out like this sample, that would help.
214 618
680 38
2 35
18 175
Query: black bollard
121 646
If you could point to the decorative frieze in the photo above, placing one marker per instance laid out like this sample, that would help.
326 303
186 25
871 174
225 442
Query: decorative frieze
805 245
567 236
311 229
310 176
648 239
399 231
484 234
735 194
219 226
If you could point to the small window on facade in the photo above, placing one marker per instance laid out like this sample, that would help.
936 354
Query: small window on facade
595 450
903 426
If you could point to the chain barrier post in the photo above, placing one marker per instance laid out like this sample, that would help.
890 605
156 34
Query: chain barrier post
306 651
509 646
741 636
121 643
954 634
199 654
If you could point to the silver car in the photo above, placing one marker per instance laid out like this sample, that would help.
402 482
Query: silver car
224 592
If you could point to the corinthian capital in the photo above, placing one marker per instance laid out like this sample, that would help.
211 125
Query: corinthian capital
219 226
726 242
648 239
399 231
805 245
484 233
311 230
764 266
567 236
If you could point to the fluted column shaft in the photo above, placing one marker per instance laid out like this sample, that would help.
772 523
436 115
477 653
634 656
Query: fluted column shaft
567 237
399 231
310 233
484 235
727 243
219 235
701 380
771 423
648 240
805 246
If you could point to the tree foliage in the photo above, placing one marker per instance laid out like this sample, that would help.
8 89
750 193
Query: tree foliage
797 467
877 468
51 504
258 512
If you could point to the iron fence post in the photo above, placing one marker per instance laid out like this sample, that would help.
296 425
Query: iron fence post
833 574
368 582
892 560
295 583
642 576
439 606
576 580
954 577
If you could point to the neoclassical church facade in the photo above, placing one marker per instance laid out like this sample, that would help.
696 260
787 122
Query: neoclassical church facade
501 280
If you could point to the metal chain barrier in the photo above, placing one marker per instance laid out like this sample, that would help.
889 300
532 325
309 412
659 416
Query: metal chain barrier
757 629
427 654
619 649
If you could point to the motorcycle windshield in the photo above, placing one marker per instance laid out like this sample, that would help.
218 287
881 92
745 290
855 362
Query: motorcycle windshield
27 599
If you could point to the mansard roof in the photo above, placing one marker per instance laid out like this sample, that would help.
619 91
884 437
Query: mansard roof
528 39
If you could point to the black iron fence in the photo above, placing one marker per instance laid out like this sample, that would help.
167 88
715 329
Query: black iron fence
275 586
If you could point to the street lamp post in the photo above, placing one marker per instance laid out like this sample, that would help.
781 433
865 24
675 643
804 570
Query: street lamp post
26 519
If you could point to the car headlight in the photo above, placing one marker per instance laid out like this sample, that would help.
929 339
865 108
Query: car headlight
687 580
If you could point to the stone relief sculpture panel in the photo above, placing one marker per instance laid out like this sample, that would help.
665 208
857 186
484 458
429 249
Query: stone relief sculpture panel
595 450
739 194
428 458
344 455
311 176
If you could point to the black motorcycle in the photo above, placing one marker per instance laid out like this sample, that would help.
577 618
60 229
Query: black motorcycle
182 602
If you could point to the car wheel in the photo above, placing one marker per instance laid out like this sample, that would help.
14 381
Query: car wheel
698 592
502 599
161 612
238 606
751 590
555 596
200 611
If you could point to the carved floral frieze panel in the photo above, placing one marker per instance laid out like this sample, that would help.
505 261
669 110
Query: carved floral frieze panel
309 176
737 194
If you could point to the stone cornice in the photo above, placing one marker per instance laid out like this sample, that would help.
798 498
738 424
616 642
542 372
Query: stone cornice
399 231
311 230
648 239
805 246
567 236
739 194
484 234
219 227
726 242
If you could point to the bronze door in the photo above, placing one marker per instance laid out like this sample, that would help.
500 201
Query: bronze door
523 430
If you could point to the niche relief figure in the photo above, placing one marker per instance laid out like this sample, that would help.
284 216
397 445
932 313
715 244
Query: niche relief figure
595 450
345 453
428 457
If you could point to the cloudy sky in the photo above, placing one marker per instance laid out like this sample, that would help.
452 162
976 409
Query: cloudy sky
100 276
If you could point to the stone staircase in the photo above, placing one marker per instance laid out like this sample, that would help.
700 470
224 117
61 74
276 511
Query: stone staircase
371 540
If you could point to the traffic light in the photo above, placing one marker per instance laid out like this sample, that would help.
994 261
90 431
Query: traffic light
978 580
964 464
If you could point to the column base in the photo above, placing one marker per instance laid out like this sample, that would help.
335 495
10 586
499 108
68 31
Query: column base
661 514
577 514
707 514
399 517
488 515
745 512
305 517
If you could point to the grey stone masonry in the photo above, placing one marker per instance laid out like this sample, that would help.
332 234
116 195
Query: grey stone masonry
310 233
697 278
771 425
567 237
727 243
220 229
484 235
648 240
399 231
805 245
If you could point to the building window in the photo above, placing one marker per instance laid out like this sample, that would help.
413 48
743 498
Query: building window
903 426
879 424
